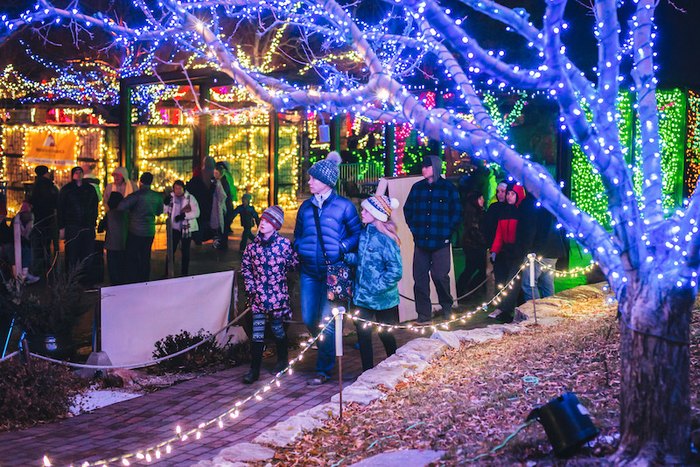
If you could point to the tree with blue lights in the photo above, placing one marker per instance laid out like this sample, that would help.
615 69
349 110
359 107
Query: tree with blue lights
650 257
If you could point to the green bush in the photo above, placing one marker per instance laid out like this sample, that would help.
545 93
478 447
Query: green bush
207 354
39 392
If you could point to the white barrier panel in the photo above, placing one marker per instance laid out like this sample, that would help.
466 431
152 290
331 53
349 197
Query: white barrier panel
135 316
399 187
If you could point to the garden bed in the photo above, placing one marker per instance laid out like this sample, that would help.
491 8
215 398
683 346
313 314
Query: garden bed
470 399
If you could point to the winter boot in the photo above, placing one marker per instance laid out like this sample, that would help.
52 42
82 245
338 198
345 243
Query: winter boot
282 355
256 351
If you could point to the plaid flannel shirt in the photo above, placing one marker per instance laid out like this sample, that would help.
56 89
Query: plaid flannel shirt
433 212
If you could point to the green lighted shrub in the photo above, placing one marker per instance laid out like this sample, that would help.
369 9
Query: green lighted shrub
40 392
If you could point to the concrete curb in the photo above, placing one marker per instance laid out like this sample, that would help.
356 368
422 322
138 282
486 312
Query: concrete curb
410 359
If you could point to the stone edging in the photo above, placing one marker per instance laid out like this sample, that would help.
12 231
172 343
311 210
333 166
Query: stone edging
410 359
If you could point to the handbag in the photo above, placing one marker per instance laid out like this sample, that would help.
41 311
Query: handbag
339 276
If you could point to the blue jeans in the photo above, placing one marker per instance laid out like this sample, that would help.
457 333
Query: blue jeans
314 307
544 280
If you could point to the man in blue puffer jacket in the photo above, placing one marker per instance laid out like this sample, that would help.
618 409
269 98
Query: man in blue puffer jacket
340 227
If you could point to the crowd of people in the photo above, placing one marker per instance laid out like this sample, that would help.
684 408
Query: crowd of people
328 233
200 210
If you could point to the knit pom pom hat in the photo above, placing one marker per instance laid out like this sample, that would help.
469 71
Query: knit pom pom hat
274 215
380 206
326 171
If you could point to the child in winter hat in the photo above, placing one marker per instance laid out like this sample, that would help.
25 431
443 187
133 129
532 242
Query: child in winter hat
380 206
326 170
274 215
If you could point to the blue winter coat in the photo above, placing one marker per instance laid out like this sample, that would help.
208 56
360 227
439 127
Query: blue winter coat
340 227
379 270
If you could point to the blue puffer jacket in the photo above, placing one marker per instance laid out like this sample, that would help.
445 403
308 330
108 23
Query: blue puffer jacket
379 270
340 227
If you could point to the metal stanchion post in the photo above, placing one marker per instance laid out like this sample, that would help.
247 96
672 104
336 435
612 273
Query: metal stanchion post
533 287
338 314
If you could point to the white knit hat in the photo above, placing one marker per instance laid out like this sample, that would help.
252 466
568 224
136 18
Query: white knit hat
380 206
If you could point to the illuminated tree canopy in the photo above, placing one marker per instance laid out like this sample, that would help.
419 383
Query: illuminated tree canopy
362 53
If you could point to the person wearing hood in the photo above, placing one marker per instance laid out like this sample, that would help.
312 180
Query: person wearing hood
202 186
122 184
506 252
433 212
44 200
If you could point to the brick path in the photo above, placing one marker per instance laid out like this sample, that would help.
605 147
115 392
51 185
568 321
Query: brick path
147 420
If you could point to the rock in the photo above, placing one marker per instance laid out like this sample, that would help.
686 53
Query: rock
360 393
120 378
412 362
426 349
220 462
287 431
246 452
447 337
404 458
387 375
480 335
322 412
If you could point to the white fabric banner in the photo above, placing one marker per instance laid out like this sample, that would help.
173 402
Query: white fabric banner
135 316
399 187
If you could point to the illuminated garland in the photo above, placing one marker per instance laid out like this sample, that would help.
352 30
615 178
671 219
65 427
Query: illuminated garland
692 152
157 451
586 184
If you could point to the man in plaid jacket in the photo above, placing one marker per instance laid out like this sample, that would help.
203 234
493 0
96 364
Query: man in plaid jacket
433 212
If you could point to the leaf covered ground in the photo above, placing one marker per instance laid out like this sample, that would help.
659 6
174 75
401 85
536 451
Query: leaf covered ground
469 400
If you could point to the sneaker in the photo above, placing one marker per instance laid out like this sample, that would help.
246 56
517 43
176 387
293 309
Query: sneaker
251 377
31 279
495 313
318 380
423 321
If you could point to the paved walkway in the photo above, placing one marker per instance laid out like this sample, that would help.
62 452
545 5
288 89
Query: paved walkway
138 423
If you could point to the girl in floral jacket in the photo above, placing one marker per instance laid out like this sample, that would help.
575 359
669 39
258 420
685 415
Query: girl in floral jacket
266 261
379 270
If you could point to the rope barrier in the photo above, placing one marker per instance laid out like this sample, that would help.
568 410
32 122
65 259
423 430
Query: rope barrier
458 298
420 328
142 364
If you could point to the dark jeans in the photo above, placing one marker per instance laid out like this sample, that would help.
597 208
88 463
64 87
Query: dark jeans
474 271
314 308
435 264
364 334
245 237
42 240
116 265
138 256
504 269
79 246
186 242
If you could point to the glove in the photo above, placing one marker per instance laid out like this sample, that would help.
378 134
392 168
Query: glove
180 217
493 257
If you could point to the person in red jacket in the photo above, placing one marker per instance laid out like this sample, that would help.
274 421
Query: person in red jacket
506 254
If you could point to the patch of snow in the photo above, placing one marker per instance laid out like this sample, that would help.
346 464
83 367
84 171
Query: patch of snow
96 398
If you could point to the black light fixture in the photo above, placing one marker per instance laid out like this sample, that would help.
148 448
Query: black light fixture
566 422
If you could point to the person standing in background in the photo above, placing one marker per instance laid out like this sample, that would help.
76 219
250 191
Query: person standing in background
433 212
44 201
77 218
143 206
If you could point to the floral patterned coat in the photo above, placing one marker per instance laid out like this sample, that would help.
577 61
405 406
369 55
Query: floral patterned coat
265 266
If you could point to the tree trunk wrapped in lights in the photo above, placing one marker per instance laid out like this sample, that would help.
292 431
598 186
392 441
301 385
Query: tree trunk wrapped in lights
650 262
